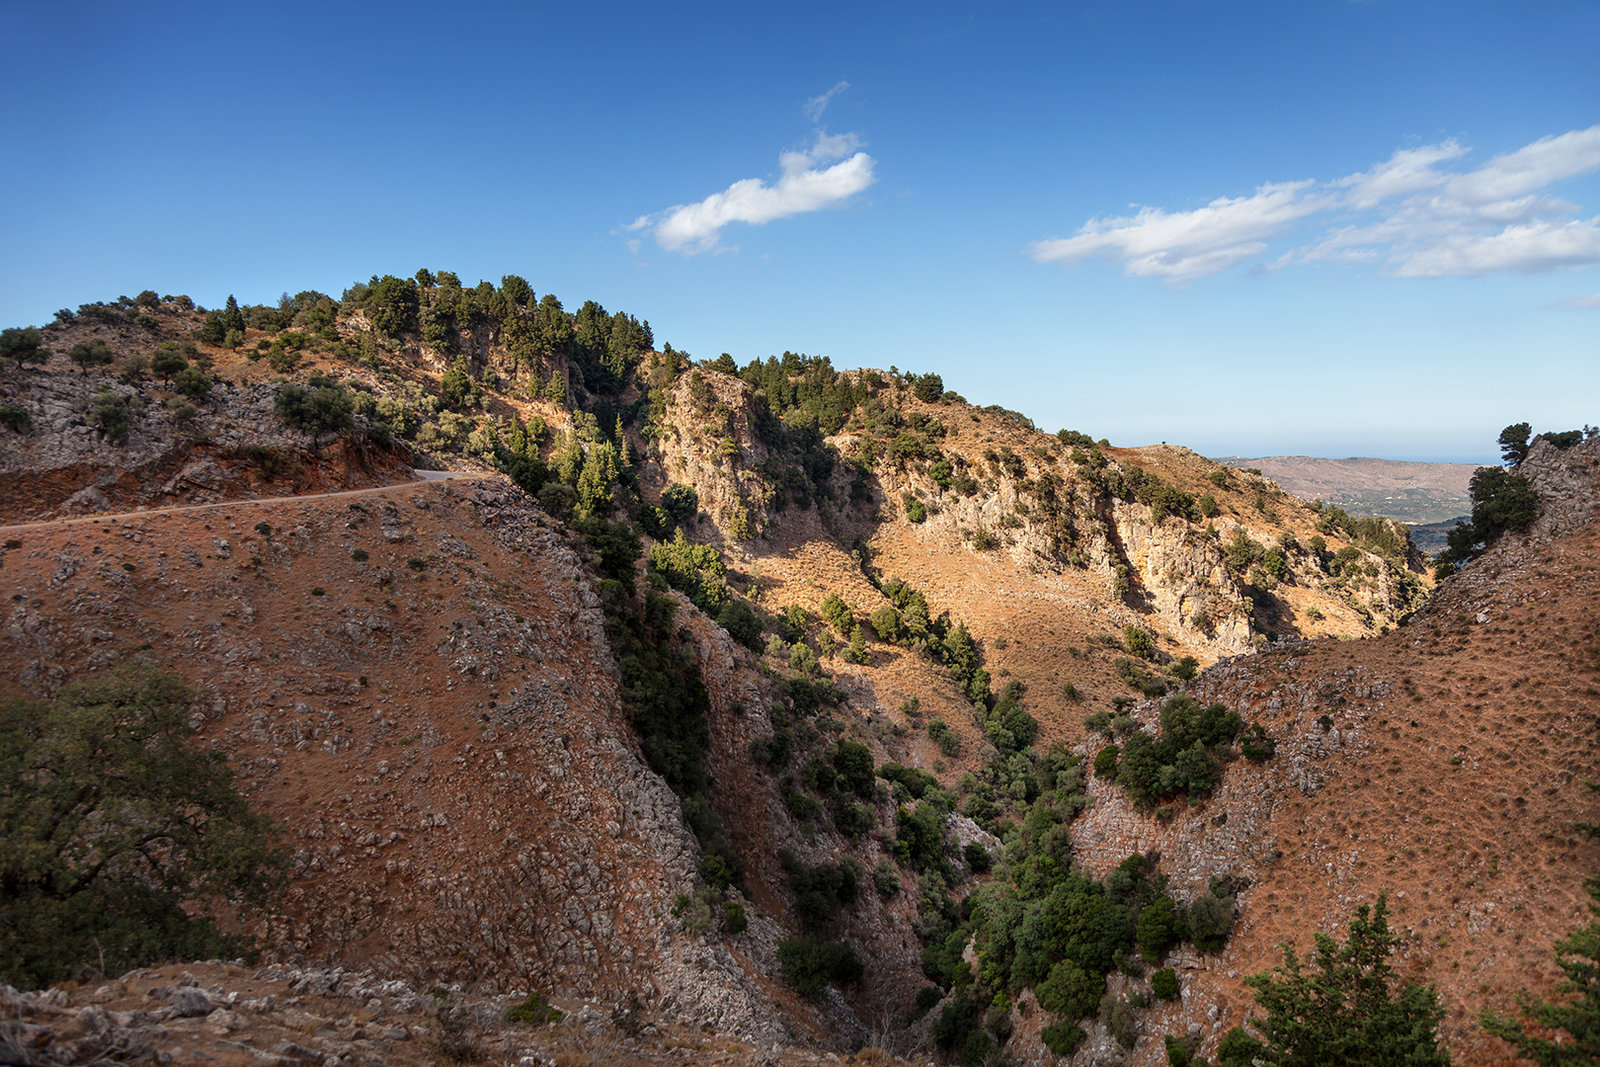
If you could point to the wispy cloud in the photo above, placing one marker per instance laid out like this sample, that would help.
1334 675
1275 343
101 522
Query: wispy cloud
815 106
1589 302
1409 214
1183 246
826 174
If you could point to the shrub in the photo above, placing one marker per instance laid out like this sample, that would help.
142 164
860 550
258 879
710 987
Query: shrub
1138 641
536 1011
1257 746
1070 991
940 734
888 625
977 857
838 614
109 413
23 345
742 624
1164 984
324 407
1157 928
87 354
1210 919
14 417
192 383
809 963
1062 1038
694 569
886 880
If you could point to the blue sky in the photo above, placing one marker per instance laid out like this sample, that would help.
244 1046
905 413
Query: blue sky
1320 227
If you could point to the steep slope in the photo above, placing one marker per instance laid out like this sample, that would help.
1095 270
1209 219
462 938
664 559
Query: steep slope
1444 763
416 682
432 685
1047 550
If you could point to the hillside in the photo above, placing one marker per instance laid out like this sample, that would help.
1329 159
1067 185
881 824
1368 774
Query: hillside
1418 493
743 697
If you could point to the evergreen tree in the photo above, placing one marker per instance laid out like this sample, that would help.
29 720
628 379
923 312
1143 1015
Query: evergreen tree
1345 1014
88 354
1514 443
23 346
110 819
232 318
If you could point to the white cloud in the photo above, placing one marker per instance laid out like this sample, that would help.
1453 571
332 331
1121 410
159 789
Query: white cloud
1407 171
1182 246
1591 302
1532 167
1531 248
807 183
1408 213
815 106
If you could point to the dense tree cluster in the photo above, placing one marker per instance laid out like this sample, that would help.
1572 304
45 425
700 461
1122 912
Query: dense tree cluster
1184 758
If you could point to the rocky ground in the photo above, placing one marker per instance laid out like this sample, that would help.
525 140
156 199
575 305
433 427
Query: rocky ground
232 1015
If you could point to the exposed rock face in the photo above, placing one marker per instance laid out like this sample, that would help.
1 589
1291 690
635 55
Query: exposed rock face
233 446
1183 577
1565 481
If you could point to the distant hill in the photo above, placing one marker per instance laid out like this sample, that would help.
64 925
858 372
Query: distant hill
1410 492
1431 537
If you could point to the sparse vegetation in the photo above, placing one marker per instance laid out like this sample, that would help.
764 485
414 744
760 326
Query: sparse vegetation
1352 1010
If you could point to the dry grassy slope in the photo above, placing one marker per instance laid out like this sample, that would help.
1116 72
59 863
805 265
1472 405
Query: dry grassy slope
1037 619
1449 772
437 725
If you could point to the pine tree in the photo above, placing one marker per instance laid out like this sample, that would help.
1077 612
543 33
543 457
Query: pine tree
1344 1014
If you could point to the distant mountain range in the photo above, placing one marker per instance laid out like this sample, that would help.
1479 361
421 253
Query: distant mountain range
1418 493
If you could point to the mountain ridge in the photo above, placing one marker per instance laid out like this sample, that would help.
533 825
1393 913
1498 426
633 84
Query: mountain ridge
494 624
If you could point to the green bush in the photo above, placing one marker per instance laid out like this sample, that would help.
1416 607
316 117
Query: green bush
1210 919
1062 1038
742 624
888 625
536 1011
1164 984
838 614
1070 991
1184 758
1348 1011
939 733
809 963
694 569
1157 928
